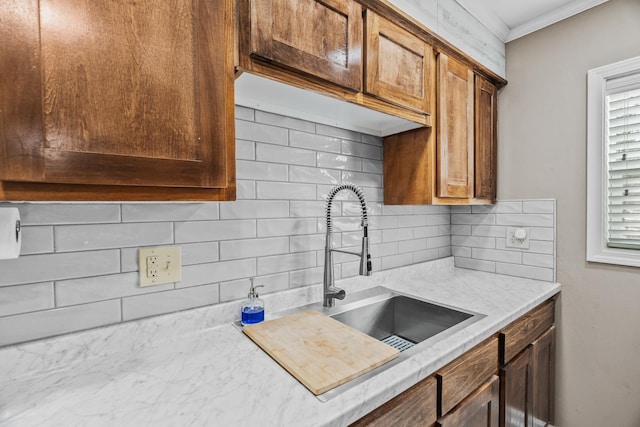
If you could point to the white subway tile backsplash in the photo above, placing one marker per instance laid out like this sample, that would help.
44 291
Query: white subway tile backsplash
42 268
147 212
472 219
497 255
314 141
169 301
281 263
105 236
397 210
47 323
439 242
259 132
366 151
307 276
90 289
541 233
414 245
438 219
461 251
243 113
26 298
286 227
338 132
371 139
284 121
394 261
202 274
312 242
362 179
526 271
239 289
428 231
460 230
537 260
474 241
200 253
37 240
285 191
203 231
339 161
245 189
313 175
476 264
60 214
261 171
237 249
530 220
372 166
244 209
354 209
245 150
285 154
489 230
394 235
300 208
506 207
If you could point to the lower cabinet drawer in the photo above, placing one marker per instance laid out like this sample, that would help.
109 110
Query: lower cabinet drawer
480 409
414 407
465 374
518 335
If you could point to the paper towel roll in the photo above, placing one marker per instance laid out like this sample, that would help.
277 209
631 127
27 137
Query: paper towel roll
10 238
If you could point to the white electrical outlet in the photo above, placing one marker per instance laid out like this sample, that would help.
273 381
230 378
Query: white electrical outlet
159 265
517 237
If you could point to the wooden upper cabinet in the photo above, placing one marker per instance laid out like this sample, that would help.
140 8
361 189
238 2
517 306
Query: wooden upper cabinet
486 112
117 94
398 64
455 127
319 37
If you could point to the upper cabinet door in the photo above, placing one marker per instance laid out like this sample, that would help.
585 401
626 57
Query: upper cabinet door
486 139
398 64
117 93
455 126
319 37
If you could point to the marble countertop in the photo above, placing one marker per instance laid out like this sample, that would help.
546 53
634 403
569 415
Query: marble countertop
194 368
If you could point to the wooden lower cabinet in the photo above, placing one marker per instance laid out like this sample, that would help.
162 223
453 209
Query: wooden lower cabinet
480 409
527 379
414 407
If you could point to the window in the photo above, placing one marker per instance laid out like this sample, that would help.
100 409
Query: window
613 163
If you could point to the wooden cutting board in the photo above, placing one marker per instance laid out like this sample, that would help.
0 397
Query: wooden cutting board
319 351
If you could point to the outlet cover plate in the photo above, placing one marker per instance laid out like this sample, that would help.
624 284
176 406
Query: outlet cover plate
159 265
513 241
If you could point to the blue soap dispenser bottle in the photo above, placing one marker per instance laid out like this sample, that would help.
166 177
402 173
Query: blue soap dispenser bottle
252 307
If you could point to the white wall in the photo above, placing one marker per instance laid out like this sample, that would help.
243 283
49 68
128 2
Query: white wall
542 154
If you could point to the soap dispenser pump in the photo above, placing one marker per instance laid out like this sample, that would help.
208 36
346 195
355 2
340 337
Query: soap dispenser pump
252 307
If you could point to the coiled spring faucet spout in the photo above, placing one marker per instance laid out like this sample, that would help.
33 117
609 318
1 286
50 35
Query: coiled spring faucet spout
330 290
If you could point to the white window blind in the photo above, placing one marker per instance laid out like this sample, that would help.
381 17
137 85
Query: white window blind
623 162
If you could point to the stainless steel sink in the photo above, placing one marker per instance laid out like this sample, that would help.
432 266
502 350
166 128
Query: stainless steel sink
406 322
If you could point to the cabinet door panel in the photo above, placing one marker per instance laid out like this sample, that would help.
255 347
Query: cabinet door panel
480 409
485 139
398 64
319 37
543 366
132 94
455 140
516 380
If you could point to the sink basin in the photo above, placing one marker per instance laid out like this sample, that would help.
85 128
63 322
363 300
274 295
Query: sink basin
403 321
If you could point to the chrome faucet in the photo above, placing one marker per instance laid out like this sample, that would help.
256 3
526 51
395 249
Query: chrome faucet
330 290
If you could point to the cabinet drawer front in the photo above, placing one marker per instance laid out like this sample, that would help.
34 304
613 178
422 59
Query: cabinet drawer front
515 337
459 378
416 406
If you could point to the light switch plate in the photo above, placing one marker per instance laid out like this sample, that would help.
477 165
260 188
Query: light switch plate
159 265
